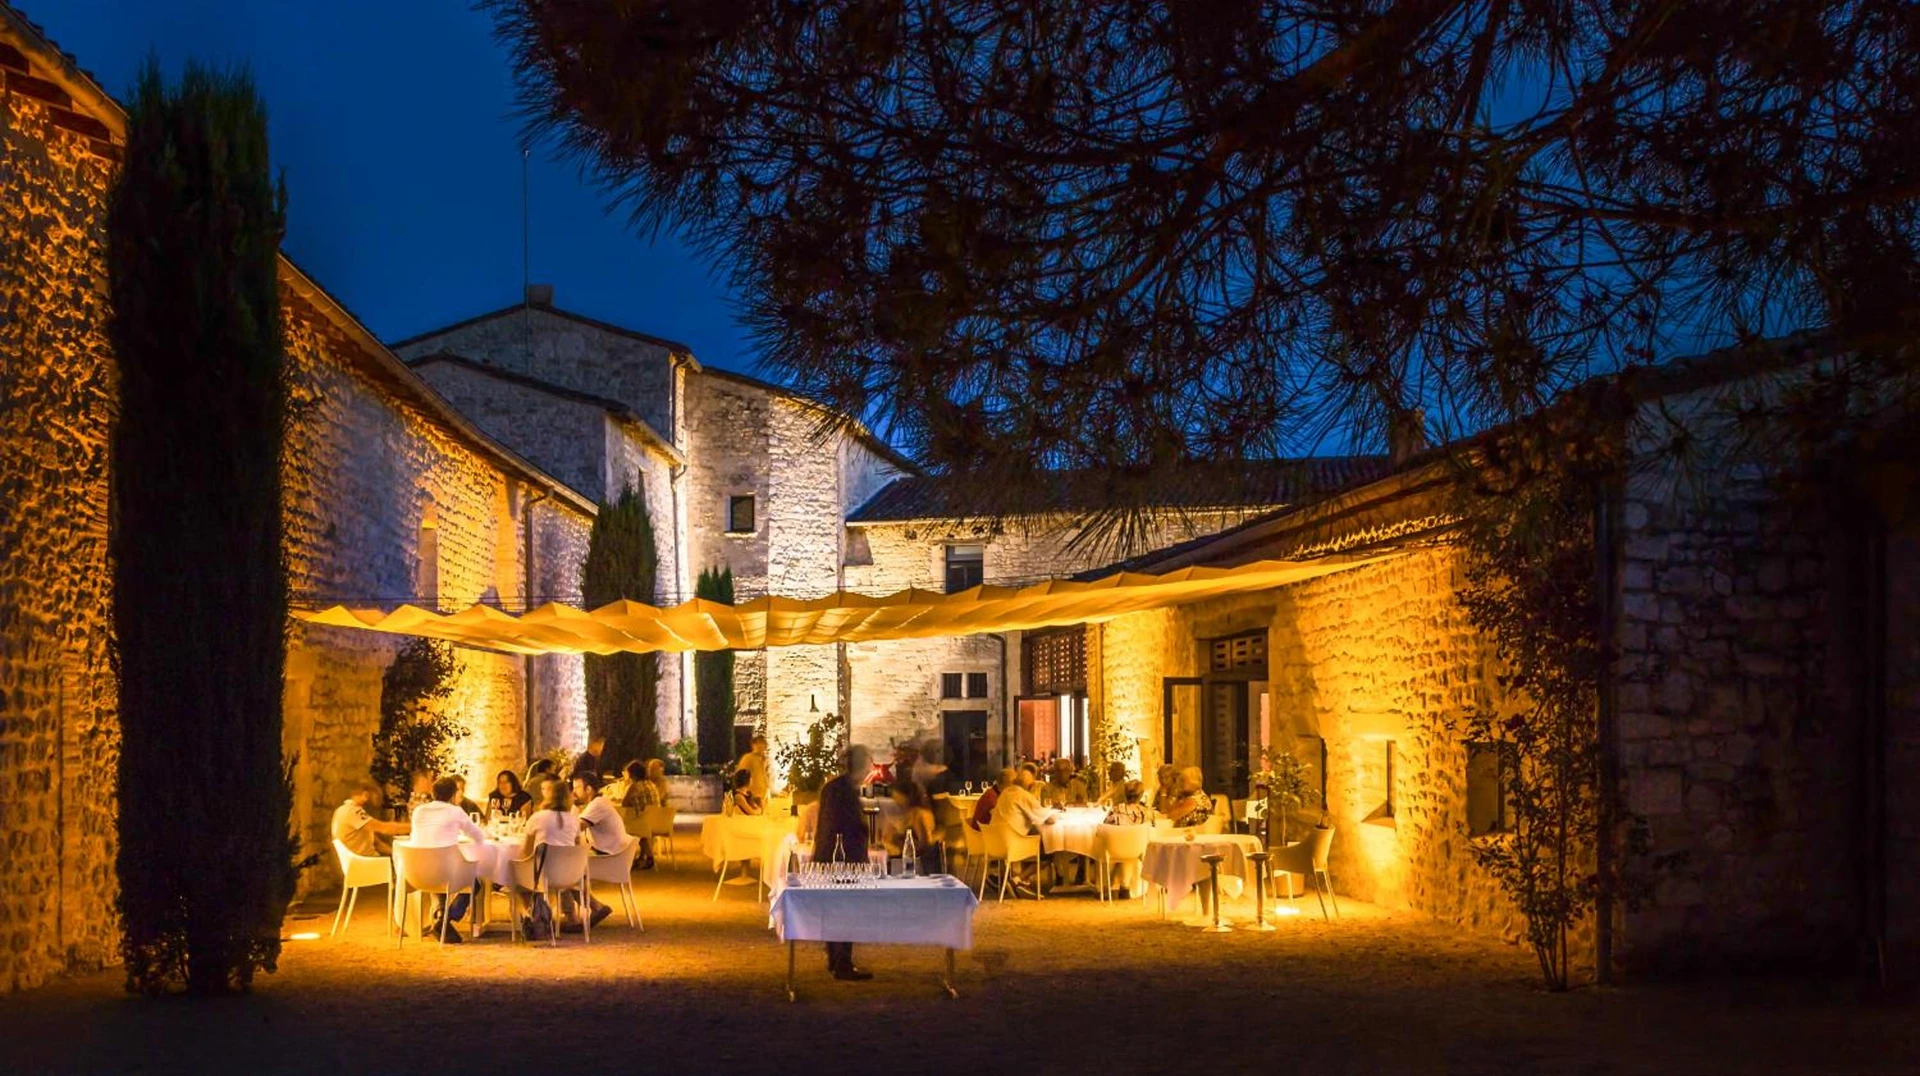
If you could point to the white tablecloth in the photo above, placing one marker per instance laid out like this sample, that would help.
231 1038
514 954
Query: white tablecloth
1073 830
792 849
738 838
896 911
1174 863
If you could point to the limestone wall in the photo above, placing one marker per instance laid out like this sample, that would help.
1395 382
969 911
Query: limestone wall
565 438
564 350
1739 708
59 737
728 427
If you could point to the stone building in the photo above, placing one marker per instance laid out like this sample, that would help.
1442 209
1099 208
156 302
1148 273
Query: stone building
390 494
1761 714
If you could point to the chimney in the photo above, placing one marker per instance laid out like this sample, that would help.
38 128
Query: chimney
1406 436
539 294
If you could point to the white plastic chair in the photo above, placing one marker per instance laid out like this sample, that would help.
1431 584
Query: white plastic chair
1309 858
1003 844
658 822
441 870
976 848
563 867
616 869
359 872
1119 846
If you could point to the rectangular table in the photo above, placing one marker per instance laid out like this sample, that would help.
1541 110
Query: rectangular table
936 910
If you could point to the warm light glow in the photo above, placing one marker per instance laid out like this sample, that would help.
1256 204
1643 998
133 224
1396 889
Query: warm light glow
305 935
842 616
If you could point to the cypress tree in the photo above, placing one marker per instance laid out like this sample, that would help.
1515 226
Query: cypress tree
199 585
622 689
713 678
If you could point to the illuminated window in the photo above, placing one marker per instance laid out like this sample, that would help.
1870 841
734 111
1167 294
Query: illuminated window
740 515
966 567
426 582
1488 769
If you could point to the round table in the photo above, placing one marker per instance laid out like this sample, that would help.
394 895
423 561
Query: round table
1173 861
1073 829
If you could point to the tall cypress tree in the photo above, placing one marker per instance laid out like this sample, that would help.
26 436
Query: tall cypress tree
199 586
713 678
622 689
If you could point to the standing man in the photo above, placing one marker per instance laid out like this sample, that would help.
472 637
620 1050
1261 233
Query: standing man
589 760
754 764
841 817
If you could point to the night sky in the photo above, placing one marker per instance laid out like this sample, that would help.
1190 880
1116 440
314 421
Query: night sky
393 121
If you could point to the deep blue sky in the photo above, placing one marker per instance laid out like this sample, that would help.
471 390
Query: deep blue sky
393 122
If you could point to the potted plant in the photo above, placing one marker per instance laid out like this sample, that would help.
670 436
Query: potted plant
1286 780
810 761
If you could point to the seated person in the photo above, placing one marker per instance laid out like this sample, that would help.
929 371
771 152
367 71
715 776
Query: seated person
507 796
1064 787
742 800
914 815
1116 784
359 830
422 790
440 823
556 825
642 792
1190 806
616 787
1166 786
542 769
1019 808
460 799
983 809
600 820
1129 811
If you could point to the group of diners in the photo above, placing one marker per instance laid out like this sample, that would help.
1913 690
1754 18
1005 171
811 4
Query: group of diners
557 813
1024 802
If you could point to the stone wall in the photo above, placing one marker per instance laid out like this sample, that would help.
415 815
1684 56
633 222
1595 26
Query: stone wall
59 736
1738 720
728 426
564 350
562 437
368 478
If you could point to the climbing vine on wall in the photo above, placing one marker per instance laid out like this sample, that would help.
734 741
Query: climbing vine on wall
1532 587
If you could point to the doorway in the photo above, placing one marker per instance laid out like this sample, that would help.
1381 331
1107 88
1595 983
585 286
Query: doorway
1053 726
964 733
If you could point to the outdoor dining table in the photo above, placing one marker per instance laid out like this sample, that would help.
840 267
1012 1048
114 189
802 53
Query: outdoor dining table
1073 829
492 864
1173 860
933 910
790 850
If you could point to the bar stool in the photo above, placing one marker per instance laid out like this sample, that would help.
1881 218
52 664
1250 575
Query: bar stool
1212 860
1259 861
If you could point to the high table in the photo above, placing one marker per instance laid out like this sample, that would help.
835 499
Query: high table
936 910
1173 862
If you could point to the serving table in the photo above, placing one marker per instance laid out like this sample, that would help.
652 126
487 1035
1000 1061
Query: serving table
933 910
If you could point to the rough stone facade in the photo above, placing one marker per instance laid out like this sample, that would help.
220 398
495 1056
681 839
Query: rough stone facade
1739 701
375 464
59 736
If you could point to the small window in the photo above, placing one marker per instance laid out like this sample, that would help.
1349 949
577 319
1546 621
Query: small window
950 684
966 567
1488 768
976 685
740 515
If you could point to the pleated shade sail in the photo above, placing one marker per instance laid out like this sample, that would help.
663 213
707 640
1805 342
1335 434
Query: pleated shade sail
840 617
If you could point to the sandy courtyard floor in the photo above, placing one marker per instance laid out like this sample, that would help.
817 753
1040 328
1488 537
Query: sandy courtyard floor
1064 985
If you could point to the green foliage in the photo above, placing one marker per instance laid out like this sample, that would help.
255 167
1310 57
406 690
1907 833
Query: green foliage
413 733
1288 784
810 761
622 689
1531 588
205 860
713 678
683 756
1112 743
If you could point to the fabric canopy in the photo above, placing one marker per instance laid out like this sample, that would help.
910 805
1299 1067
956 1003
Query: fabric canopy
840 617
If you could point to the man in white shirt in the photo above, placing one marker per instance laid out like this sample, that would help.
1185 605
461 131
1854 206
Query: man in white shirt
355 827
439 823
1021 809
601 820
755 763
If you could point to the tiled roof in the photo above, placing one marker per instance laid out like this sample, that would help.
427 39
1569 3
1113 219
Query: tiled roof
1249 484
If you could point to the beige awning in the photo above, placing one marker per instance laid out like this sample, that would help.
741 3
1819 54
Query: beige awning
840 617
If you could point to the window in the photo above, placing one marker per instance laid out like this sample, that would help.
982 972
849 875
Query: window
971 685
1247 651
976 685
950 684
966 567
740 514
1055 662
1488 766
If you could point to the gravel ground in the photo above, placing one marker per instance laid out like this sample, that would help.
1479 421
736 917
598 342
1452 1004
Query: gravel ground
1066 984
